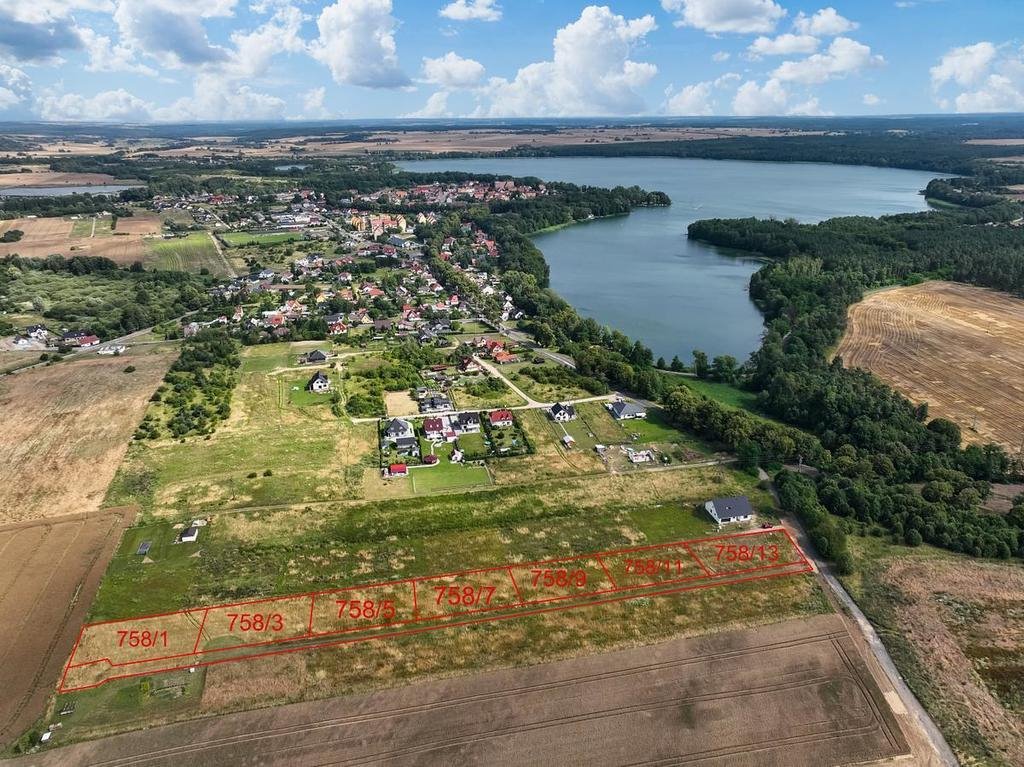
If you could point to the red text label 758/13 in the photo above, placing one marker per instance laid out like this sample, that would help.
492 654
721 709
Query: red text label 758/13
733 553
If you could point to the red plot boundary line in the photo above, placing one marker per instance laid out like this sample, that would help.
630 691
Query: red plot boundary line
445 620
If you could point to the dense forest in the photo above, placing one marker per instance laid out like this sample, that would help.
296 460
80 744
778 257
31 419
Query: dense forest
913 151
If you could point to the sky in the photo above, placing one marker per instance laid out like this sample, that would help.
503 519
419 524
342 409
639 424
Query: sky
184 60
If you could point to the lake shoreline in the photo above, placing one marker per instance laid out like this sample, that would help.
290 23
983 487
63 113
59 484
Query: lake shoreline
640 273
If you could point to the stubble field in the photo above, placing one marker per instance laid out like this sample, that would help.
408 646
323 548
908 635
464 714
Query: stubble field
66 428
937 610
957 347
51 571
127 243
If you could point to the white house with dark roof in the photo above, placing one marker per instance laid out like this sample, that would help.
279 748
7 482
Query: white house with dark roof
562 413
622 410
726 511
319 383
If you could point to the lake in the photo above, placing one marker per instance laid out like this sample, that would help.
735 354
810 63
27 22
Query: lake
64 191
641 275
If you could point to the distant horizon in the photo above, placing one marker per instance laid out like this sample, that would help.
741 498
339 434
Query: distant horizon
162 61
624 120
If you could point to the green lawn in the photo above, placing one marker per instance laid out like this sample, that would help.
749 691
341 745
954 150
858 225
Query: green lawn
447 476
238 239
720 392
299 396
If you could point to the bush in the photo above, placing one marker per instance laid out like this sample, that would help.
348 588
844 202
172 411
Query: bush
251 475
268 473
130 369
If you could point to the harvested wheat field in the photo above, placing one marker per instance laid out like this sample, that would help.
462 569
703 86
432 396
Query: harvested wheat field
66 429
127 243
51 572
795 693
957 347
965 617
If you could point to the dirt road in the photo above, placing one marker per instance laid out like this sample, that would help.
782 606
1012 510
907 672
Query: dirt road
941 754
794 693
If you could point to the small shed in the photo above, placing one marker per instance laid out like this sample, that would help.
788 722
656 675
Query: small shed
398 470
144 548
189 534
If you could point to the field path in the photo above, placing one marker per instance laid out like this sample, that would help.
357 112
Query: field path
941 754
220 252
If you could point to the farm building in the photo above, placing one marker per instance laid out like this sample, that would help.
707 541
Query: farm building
319 383
625 411
562 413
317 355
725 511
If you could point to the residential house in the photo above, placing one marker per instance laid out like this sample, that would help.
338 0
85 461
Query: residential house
501 419
625 411
397 428
435 403
434 429
468 423
726 511
319 383
562 412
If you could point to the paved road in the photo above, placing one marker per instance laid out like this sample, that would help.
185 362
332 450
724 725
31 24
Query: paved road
923 719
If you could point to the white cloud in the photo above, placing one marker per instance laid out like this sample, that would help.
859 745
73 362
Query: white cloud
453 71
220 98
691 100
871 100
472 10
171 31
313 107
753 99
843 57
254 50
825 23
109 106
357 43
436 107
809 108
104 56
739 16
990 78
783 45
15 86
964 66
998 93
42 11
720 56
591 72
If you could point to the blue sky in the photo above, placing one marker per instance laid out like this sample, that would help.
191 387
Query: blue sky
178 60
